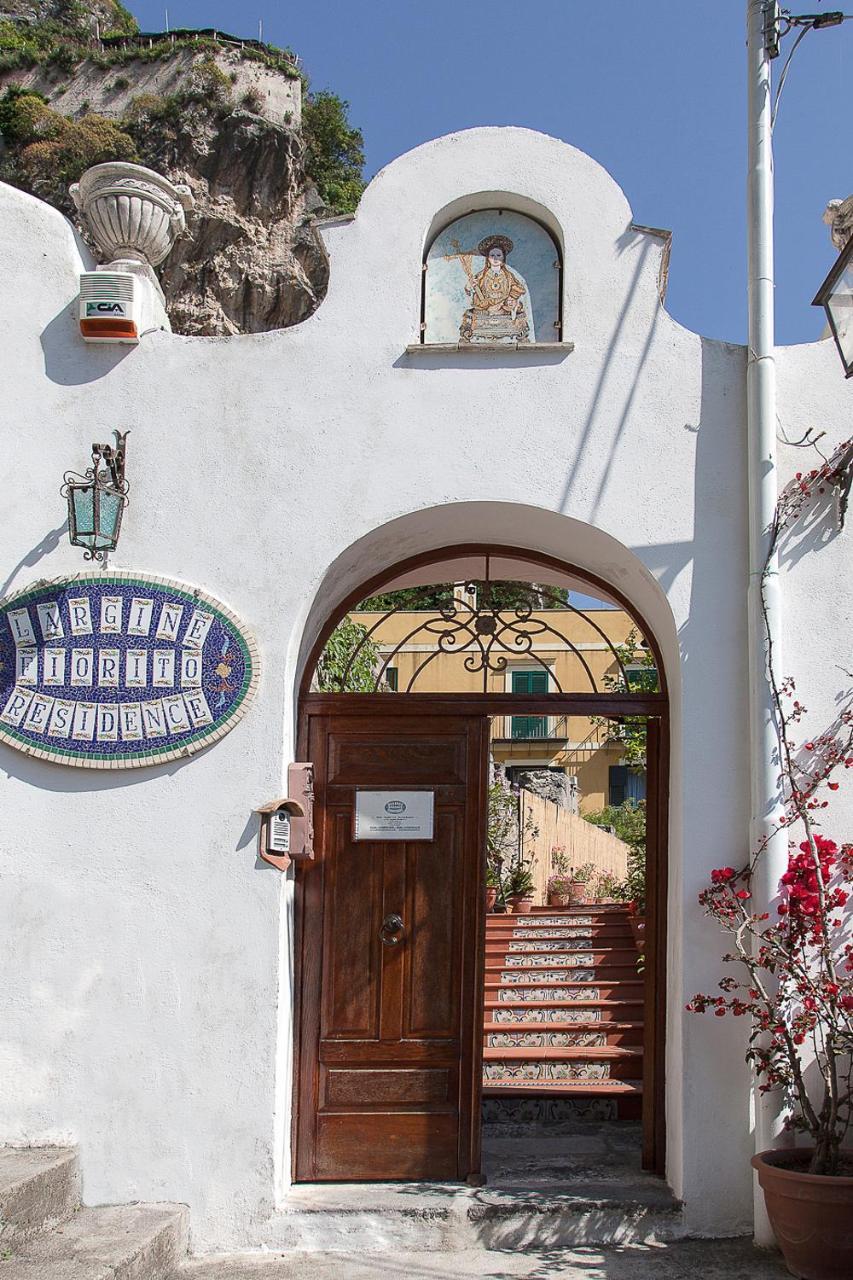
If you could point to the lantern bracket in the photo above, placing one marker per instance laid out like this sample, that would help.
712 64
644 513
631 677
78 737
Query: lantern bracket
113 459
105 477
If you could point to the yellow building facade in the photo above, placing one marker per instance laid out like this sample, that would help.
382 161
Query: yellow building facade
556 650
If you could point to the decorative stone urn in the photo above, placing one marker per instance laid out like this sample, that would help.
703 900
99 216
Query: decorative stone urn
133 213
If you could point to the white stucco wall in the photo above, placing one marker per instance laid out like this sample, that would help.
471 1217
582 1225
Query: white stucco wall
145 1010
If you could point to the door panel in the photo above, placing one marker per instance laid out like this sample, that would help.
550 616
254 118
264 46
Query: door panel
433 1006
350 996
389 1050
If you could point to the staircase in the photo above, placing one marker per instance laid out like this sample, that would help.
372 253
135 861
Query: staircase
46 1234
563 1013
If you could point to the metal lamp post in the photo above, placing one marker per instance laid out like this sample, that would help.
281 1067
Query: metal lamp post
96 500
835 295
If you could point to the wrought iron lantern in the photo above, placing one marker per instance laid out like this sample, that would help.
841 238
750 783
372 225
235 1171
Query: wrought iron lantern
96 500
835 295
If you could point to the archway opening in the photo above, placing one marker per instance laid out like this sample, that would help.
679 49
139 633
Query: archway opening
515 705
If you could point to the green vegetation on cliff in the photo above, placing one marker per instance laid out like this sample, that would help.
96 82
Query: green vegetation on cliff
62 36
46 150
335 155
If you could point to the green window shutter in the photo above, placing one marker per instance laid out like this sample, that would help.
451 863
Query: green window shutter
530 682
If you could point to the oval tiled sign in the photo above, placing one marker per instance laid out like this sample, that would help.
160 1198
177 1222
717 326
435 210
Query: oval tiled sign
117 670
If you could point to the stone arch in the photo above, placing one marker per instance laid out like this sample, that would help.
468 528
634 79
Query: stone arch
528 529
430 535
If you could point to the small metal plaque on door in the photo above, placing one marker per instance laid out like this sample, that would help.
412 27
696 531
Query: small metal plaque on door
394 815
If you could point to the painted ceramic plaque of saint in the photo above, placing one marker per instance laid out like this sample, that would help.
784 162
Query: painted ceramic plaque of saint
492 277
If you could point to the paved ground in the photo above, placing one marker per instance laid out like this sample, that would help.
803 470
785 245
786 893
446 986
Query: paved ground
553 1156
683 1260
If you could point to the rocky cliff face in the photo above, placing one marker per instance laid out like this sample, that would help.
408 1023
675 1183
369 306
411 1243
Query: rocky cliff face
252 259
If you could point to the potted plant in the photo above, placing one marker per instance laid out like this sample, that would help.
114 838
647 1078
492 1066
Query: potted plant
518 889
559 889
609 888
580 881
493 884
795 978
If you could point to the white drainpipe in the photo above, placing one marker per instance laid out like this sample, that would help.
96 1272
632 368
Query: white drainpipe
761 445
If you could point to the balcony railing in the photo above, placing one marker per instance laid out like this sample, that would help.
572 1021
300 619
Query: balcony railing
530 728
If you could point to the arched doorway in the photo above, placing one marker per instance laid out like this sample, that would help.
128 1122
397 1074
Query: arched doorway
390 919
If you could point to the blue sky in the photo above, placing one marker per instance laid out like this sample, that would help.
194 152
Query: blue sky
654 91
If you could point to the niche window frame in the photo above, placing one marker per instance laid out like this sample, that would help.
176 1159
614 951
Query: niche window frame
558 345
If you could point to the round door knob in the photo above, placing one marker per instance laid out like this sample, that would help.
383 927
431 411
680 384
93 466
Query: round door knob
392 930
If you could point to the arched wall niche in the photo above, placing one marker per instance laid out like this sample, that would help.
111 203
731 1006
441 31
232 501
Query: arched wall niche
474 201
492 273
527 529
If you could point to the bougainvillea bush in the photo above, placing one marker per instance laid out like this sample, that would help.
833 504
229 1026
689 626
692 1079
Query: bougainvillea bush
794 963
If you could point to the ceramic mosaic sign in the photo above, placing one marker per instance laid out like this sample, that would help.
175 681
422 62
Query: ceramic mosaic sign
110 671
492 276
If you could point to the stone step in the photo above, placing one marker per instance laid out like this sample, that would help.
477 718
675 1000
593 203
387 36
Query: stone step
523 1064
556 1012
551 1088
615 909
628 1052
559 972
39 1188
533 924
560 989
577 920
495 952
113 1242
372 1218
569 928
567 954
497 1035
557 1109
606 936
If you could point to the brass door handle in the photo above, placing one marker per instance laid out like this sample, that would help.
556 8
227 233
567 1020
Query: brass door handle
392 930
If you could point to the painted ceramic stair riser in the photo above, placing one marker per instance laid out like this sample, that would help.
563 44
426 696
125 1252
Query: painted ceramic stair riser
563 1011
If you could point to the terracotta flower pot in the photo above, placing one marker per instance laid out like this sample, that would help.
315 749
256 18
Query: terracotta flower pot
491 897
580 893
521 905
811 1215
559 899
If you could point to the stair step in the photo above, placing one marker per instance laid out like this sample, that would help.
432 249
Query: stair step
580 1008
529 977
589 908
374 1219
39 1188
500 996
546 924
553 940
517 974
122 1242
556 946
568 945
538 1071
557 1088
564 1062
499 1035
562 1016
585 921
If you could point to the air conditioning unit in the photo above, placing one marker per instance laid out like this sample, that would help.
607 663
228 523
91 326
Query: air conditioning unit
110 306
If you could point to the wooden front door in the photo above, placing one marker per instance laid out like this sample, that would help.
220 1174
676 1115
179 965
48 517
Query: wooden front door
389 1054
